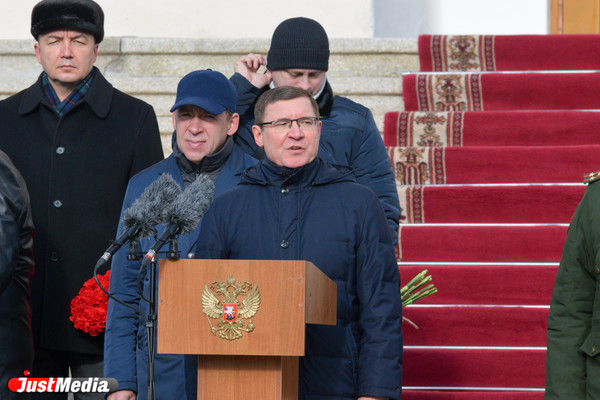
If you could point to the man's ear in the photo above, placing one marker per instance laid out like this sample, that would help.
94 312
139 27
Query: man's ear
257 135
174 119
234 123
36 47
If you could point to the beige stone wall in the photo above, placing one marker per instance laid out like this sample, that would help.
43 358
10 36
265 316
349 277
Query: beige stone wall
368 71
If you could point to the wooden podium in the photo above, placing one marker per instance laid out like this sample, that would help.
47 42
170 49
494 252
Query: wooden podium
247 348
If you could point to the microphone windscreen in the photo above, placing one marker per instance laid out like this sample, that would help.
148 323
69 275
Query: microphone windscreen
190 206
146 210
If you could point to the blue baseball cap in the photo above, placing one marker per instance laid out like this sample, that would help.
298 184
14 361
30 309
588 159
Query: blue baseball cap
210 90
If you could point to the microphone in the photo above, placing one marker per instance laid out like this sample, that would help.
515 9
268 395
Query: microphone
183 215
140 219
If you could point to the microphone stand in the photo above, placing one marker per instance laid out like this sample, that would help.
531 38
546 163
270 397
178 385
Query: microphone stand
173 253
152 317
151 331
134 255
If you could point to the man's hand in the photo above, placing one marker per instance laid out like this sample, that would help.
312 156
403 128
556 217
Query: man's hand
248 66
122 395
372 398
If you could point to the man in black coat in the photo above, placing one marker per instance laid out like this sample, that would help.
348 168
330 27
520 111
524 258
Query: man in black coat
16 270
76 140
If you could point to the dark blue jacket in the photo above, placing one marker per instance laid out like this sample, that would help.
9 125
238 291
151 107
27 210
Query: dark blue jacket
349 137
126 346
320 214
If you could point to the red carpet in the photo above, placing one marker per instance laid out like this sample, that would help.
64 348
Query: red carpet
491 128
501 91
509 164
475 284
476 325
497 203
471 395
459 367
477 332
482 243
489 168
508 52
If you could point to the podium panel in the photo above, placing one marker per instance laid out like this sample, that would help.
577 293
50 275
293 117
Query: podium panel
292 293
247 377
246 321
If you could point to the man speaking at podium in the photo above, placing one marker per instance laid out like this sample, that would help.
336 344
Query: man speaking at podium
294 206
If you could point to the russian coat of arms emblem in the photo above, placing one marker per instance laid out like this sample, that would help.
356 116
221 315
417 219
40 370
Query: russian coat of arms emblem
220 303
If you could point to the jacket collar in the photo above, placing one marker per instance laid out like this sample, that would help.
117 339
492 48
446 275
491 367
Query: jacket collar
98 97
315 173
325 101
209 164
233 168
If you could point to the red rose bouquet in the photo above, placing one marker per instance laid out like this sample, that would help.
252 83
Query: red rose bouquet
88 308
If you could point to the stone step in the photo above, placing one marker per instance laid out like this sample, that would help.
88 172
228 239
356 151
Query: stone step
341 64
157 90
176 57
368 71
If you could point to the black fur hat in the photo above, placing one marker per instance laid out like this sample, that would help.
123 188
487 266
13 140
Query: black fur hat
78 15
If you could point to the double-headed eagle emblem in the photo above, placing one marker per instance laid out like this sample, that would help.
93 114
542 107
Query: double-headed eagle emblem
230 312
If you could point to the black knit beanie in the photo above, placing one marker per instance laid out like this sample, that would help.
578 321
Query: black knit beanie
78 15
299 43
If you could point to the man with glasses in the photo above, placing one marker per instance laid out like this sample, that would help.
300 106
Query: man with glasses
294 206
299 56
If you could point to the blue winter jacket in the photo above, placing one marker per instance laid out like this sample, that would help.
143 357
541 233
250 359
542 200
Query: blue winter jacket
320 214
125 344
349 137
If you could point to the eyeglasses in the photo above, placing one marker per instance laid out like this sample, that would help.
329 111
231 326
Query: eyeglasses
284 124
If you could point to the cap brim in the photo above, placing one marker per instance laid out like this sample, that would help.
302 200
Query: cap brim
203 103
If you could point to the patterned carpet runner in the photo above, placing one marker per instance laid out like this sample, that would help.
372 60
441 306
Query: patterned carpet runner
498 164
490 91
489 166
508 52
492 128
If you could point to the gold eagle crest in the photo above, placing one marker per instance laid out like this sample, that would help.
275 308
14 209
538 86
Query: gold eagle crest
229 312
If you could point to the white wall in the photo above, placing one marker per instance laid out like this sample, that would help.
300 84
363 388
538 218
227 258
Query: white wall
493 17
341 18
206 18
409 18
